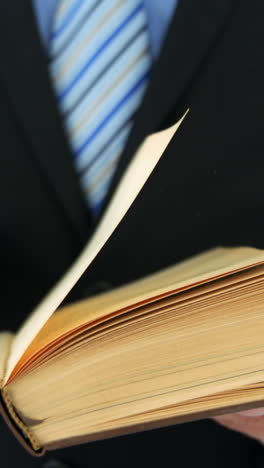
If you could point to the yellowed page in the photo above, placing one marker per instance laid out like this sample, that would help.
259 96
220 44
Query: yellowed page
150 365
201 268
6 339
129 187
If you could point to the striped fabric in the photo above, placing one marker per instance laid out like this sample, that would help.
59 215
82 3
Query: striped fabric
99 65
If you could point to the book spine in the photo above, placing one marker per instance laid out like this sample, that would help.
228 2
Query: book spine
18 427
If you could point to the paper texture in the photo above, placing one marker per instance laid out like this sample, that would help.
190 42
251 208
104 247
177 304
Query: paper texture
140 168
6 339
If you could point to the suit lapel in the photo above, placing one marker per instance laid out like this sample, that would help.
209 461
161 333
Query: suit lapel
25 72
194 29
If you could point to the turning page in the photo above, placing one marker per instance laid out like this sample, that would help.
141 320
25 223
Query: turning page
136 175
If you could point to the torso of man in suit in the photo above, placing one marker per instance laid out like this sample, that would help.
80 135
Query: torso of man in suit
206 191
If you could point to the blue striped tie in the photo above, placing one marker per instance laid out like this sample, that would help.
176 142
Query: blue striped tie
100 63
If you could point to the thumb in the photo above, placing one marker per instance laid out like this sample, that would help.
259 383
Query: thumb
252 413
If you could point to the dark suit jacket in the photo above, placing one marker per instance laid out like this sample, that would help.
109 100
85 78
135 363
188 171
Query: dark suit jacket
207 190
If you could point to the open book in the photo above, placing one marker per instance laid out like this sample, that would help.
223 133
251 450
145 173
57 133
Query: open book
181 344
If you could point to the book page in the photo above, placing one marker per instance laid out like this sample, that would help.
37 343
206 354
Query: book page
6 339
203 268
158 363
139 169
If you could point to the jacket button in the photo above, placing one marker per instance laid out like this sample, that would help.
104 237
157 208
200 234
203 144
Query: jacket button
54 464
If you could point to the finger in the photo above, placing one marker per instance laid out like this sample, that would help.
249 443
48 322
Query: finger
251 426
252 413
